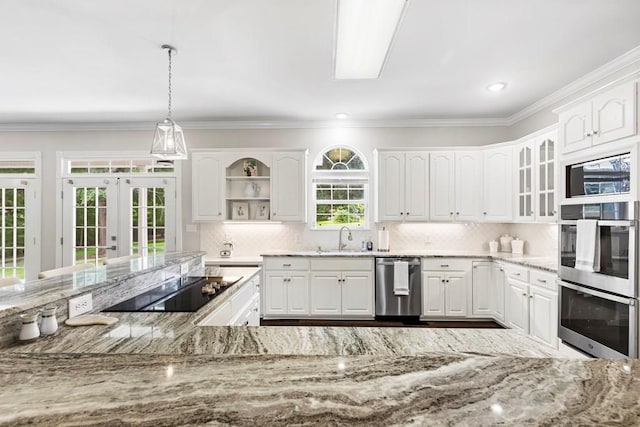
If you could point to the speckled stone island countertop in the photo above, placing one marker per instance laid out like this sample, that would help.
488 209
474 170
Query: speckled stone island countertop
161 369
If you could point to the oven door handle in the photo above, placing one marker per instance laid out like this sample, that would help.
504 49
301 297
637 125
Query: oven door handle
604 223
603 295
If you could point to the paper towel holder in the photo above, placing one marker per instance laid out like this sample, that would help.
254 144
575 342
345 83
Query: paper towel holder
383 240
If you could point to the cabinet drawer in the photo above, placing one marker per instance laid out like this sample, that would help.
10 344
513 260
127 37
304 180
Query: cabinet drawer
516 272
286 263
342 263
543 279
446 264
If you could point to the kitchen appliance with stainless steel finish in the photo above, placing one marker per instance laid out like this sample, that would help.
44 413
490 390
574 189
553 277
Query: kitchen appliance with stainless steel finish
598 309
389 304
181 294
600 177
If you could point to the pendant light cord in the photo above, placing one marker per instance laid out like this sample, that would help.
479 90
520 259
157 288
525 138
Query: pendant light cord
169 113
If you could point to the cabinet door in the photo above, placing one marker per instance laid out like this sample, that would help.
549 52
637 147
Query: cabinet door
524 181
497 184
614 114
207 180
433 293
357 293
416 200
468 185
288 195
546 178
325 291
517 310
275 293
498 281
543 315
298 293
575 128
391 186
456 290
441 185
482 288
433 287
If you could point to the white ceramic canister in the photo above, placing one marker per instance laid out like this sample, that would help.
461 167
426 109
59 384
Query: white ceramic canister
29 330
493 246
517 246
505 243
49 323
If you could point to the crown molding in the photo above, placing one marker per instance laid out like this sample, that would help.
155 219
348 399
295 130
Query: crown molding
627 59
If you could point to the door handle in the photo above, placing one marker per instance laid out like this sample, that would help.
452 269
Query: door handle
113 248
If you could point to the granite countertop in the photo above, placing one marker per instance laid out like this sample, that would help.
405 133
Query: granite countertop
18 298
540 262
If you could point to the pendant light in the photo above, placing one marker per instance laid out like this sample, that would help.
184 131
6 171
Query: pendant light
168 142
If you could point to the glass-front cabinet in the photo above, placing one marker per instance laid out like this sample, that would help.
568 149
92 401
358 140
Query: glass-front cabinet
536 198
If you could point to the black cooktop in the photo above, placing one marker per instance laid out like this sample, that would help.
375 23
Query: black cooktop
177 295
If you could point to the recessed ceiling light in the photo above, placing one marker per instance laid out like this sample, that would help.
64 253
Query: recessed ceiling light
364 32
342 116
496 87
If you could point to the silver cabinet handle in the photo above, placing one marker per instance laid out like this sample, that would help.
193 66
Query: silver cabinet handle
407 213
484 213
516 274
401 213
457 213
524 294
286 265
450 213
542 280
530 296
595 132
444 265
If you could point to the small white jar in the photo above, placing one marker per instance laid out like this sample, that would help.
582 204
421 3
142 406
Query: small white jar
49 323
29 330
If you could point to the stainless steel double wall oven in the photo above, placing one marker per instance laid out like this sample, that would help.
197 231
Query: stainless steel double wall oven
599 309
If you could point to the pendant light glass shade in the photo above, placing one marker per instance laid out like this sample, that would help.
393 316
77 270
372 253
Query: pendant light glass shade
168 141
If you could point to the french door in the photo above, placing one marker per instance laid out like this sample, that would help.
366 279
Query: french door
110 217
19 228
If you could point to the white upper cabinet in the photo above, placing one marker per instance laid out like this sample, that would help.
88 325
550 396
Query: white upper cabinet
497 196
536 184
403 193
288 192
608 116
207 186
454 184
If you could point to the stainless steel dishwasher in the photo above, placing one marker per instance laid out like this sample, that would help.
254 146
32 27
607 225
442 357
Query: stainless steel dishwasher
389 304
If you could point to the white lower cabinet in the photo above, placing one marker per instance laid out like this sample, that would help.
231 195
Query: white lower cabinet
242 309
445 292
532 303
482 289
342 287
318 287
498 280
286 293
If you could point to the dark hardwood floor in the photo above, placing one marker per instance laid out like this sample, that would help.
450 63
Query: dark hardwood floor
385 322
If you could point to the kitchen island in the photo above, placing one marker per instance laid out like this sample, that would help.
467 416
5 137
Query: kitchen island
163 369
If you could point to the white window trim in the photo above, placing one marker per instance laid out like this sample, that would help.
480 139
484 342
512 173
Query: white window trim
62 157
345 176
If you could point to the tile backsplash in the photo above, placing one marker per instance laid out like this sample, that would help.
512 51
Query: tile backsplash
253 239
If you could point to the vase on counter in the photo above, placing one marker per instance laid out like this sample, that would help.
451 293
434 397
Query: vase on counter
505 243
252 189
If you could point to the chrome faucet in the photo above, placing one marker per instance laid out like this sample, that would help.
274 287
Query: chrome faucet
341 245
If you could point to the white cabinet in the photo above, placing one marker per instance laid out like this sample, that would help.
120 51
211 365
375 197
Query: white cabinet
286 287
288 193
300 287
454 179
532 303
608 116
403 190
482 289
342 287
536 181
207 183
497 197
241 309
498 278
446 291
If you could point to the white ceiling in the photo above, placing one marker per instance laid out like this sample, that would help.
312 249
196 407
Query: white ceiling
79 61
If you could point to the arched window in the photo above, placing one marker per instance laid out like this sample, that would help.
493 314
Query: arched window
340 188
